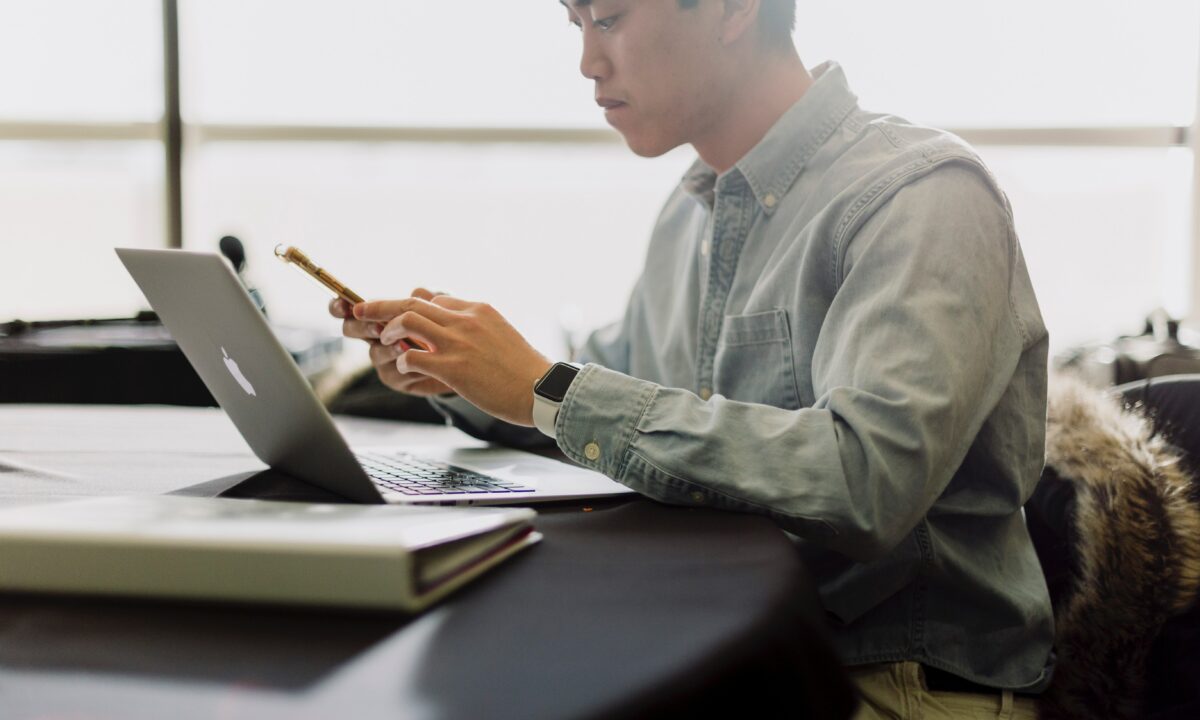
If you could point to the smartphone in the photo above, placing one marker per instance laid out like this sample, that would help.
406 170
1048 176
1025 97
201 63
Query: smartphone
293 256
298 259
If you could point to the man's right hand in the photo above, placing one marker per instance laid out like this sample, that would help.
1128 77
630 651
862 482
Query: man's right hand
383 357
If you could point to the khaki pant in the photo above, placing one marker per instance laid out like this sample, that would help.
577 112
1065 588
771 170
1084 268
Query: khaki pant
896 691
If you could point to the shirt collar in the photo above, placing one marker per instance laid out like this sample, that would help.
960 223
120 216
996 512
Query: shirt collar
772 166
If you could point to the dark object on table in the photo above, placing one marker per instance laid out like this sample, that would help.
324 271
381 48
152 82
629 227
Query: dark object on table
1116 524
363 394
1158 351
122 361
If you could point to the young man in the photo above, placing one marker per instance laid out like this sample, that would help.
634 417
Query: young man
834 328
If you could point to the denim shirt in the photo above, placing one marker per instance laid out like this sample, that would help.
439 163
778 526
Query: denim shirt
840 333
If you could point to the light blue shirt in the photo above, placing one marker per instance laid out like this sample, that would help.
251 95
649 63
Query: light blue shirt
840 333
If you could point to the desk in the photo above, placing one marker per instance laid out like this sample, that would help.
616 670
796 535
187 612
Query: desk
632 609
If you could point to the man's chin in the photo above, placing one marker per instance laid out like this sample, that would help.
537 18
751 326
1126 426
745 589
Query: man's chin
649 147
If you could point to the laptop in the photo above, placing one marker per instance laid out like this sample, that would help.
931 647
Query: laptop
230 344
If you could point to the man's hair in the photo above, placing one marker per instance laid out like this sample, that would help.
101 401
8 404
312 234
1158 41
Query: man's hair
776 20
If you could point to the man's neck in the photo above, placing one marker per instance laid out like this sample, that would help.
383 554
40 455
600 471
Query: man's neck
752 109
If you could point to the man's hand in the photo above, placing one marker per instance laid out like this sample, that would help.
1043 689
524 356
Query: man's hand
472 350
383 357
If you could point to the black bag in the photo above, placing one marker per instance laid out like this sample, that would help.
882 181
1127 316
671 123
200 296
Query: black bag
127 361
1156 352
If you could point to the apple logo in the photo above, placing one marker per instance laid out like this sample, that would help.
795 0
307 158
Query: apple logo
237 374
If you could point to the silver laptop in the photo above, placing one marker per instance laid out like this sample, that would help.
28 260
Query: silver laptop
231 346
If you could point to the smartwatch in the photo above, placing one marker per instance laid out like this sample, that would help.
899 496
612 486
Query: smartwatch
549 392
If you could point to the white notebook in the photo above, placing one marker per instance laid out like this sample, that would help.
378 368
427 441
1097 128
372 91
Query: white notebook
166 546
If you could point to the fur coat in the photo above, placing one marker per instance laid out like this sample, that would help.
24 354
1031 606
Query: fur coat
1117 525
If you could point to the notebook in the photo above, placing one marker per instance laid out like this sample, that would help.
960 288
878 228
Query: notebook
384 557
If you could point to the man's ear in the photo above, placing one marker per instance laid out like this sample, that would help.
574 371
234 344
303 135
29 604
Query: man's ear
739 17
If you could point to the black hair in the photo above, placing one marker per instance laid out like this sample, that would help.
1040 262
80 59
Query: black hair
776 18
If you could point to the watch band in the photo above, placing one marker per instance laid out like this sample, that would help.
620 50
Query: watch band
545 414
548 394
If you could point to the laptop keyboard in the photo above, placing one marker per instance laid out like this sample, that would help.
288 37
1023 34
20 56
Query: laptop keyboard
409 475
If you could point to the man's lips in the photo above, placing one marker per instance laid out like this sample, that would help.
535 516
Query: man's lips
608 103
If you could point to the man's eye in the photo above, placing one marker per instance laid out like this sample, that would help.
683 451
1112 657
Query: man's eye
606 23
573 21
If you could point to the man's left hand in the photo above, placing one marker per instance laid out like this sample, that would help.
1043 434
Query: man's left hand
472 349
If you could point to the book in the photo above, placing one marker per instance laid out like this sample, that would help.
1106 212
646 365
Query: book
389 557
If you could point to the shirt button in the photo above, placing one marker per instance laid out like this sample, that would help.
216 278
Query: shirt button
591 451
705 393
770 201
698 496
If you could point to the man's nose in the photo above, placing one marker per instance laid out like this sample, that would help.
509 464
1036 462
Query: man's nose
594 64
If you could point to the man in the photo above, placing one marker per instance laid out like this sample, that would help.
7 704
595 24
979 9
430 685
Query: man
834 328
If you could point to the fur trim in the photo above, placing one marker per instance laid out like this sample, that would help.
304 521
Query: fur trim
1138 550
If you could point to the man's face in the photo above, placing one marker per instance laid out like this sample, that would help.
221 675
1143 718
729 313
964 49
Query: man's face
655 67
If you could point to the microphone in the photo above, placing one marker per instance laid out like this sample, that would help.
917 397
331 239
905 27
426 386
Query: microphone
235 253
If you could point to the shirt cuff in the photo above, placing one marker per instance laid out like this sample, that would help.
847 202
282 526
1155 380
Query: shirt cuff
599 418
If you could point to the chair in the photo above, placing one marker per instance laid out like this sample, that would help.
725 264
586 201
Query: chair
1116 523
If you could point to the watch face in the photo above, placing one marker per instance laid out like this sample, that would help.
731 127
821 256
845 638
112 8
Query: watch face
554 385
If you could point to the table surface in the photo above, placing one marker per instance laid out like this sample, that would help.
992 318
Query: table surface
627 608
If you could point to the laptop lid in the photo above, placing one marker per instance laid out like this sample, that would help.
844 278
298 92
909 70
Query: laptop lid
254 379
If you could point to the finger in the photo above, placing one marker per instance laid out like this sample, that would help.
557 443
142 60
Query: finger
391 376
380 310
387 310
413 326
396 380
361 330
418 362
384 355
450 302
426 293
339 308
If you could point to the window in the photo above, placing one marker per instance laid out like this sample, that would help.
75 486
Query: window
80 61
1022 64
360 130
80 159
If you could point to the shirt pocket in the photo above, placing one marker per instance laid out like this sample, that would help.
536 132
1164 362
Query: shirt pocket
753 362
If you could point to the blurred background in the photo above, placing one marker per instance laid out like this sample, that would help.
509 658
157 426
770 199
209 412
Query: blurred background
454 145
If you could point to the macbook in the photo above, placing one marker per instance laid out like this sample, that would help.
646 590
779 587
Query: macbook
230 344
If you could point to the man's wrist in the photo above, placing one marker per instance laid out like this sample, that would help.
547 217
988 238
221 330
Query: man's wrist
549 392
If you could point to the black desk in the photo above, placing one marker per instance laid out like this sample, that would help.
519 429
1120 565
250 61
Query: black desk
629 609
